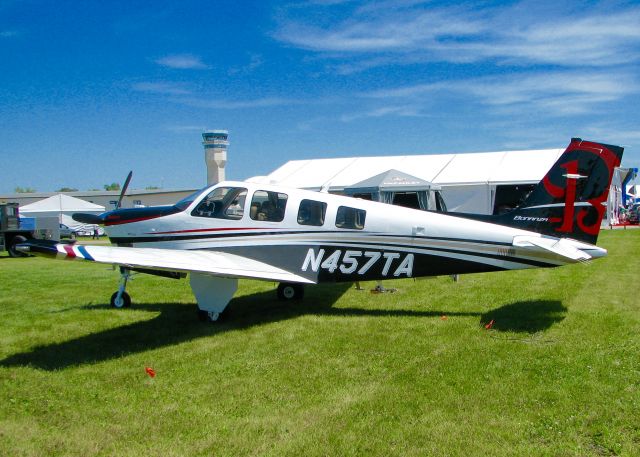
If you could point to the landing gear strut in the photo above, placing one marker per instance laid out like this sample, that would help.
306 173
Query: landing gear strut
290 291
121 298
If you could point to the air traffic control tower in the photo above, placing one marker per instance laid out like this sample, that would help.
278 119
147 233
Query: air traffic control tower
215 144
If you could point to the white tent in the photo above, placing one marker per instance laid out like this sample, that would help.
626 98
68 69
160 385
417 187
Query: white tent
61 206
468 181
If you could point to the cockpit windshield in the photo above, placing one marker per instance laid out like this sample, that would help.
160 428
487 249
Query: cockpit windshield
186 201
222 203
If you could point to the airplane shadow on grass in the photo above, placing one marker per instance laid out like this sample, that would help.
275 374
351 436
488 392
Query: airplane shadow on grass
176 323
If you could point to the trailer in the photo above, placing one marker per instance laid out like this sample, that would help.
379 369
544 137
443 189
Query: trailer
13 233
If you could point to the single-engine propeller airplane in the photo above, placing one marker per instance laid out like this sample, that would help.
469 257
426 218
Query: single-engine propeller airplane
295 237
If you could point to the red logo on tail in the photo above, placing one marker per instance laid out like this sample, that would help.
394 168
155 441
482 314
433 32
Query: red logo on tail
568 192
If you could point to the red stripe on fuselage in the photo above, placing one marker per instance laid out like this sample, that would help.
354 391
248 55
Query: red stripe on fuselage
128 221
230 229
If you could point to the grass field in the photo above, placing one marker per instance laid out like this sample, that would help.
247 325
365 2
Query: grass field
345 372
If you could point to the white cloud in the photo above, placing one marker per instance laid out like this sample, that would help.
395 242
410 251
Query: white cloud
390 32
165 88
183 62
614 133
186 128
255 61
8 33
399 111
559 93
266 102
524 33
597 40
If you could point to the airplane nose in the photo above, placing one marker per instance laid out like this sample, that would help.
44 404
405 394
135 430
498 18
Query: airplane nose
87 218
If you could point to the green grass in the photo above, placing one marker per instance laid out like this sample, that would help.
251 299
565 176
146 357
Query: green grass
345 372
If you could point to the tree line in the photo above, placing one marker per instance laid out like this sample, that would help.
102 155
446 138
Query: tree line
112 186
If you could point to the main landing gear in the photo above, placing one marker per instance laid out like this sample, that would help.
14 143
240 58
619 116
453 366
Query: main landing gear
212 293
208 316
121 298
290 291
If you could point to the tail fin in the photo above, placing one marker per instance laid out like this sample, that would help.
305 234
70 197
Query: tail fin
571 199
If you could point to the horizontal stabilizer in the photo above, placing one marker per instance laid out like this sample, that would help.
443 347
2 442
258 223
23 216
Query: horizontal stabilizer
215 263
562 247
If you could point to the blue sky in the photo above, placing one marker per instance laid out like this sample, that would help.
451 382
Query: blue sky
90 90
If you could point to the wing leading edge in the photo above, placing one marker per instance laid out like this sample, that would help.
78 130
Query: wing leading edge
179 260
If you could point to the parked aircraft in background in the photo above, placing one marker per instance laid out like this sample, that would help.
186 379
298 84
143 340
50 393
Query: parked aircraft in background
295 237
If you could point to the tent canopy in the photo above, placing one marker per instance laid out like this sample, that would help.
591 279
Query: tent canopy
488 168
385 186
57 204
389 181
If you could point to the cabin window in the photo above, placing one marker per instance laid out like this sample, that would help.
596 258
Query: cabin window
311 212
350 218
268 206
222 203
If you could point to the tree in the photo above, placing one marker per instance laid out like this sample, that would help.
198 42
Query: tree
112 186
24 190
67 189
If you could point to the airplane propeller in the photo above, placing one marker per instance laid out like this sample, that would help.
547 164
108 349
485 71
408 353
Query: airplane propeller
99 219
124 189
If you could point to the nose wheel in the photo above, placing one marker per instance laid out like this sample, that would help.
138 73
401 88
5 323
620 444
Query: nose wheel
289 291
208 316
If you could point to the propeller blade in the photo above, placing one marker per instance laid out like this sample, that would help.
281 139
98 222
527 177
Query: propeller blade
87 218
124 189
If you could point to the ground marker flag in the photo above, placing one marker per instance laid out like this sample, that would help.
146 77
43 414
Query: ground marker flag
150 371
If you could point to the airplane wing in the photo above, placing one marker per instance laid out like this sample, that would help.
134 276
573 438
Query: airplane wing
214 263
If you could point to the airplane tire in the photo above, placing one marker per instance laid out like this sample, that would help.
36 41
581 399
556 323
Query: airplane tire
13 252
204 316
289 291
124 302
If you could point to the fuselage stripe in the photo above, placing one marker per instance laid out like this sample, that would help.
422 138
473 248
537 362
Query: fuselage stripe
155 239
223 229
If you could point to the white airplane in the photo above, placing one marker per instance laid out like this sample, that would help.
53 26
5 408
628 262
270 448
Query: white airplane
295 237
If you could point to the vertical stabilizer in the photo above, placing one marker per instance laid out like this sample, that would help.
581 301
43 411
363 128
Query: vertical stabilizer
571 199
